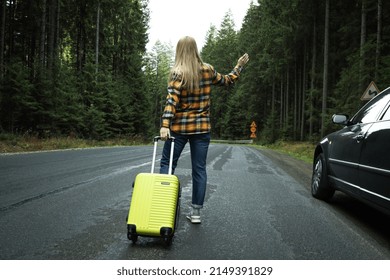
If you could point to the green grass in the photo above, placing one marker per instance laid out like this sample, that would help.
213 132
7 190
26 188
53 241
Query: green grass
10 143
300 150
13 143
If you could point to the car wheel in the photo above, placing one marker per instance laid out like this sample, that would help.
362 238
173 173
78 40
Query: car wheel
320 187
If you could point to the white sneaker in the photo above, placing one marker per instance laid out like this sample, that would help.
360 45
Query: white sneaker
194 219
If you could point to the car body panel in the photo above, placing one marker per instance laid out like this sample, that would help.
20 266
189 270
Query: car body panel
344 162
374 170
358 155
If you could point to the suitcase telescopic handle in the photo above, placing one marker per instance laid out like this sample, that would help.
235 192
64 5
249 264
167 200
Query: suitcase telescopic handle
172 139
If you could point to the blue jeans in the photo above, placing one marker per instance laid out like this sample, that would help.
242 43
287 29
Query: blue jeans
199 145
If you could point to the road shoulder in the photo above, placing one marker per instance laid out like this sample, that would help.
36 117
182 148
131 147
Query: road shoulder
298 169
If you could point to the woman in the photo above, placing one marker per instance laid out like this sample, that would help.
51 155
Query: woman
187 114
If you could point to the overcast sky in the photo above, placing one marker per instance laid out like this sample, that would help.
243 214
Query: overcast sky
172 19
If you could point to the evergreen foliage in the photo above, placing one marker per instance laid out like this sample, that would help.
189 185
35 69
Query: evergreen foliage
61 77
282 86
80 68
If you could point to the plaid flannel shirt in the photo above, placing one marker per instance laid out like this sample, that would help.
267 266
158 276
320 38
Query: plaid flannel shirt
189 112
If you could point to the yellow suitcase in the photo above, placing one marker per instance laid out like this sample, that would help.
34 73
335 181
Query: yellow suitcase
155 203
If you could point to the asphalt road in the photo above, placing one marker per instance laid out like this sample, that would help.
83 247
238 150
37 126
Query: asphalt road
72 205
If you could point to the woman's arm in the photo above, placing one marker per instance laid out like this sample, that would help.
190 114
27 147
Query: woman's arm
233 76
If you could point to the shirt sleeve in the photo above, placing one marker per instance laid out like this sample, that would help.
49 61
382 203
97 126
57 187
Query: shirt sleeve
172 100
229 79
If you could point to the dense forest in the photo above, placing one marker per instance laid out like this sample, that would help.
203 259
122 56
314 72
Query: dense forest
81 68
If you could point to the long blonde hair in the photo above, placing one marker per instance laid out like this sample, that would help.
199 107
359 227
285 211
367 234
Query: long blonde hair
188 64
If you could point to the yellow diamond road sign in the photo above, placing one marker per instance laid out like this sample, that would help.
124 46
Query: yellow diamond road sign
371 91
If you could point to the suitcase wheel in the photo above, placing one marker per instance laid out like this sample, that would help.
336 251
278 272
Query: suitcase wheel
168 240
132 237
167 235
132 233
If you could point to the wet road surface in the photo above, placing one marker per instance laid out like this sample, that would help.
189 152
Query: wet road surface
72 205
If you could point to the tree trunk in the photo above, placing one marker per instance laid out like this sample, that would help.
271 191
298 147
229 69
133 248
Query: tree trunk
58 24
43 35
281 104
363 32
312 78
295 127
326 61
303 93
97 39
2 40
378 39
81 36
286 120
52 36
273 111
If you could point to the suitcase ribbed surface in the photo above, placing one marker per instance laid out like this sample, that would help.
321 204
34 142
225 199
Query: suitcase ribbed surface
153 203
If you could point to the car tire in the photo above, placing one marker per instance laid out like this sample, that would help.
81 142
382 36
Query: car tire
320 187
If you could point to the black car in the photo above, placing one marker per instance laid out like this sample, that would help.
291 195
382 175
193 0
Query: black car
356 159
